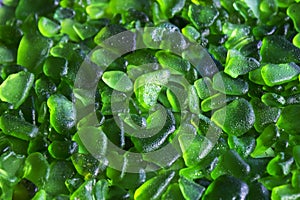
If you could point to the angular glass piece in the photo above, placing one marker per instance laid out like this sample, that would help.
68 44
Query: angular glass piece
227 85
62 113
285 192
243 145
202 16
55 66
273 100
85 31
236 118
62 149
288 119
204 87
277 74
117 80
281 165
85 191
174 63
15 88
256 77
47 27
191 33
190 189
216 101
171 7
173 192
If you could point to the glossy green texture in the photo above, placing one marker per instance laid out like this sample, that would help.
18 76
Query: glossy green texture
190 190
216 101
288 119
256 77
242 145
231 163
32 56
17 127
16 87
40 195
171 7
237 64
194 148
239 35
292 11
220 187
155 187
37 169
6 55
191 33
236 118
280 165
91 190
62 149
227 85
276 49
173 192
204 87
201 17
277 74
174 63
85 31
54 66
296 40
62 113
273 100
117 80
265 140
285 192
47 27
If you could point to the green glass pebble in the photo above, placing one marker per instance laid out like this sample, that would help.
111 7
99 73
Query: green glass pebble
296 154
55 66
191 33
288 119
194 148
37 169
277 74
117 80
171 7
285 192
238 35
96 11
237 64
154 187
173 101
226 187
256 77
85 191
273 100
236 118
204 87
44 87
201 17
280 165
101 189
16 87
62 149
32 51
85 31
107 32
12 165
227 85
276 49
193 100
243 145
216 101
271 182
87 165
40 195
47 27
62 113
231 163
173 192
190 190
264 115
17 127
292 11
296 179
174 63
265 140
296 40
67 28
6 55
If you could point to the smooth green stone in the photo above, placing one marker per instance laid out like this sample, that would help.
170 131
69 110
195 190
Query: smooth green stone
191 33
296 154
280 165
277 74
37 169
172 98
40 195
236 118
12 164
238 35
67 28
227 85
216 101
73 184
44 87
194 172
288 120
117 80
231 163
6 55
285 192
292 12
47 27
256 77
55 66
85 31
65 50
60 171
38 144
264 115
32 51
273 100
226 187
276 49
107 32
96 11
243 145
154 187
62 113
17 127
85 191
265 140
87 165
62 149
194 148
173 192
190 190
296 40
101 189
174 63
171 7
202 16
237 64
204 87
16 87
